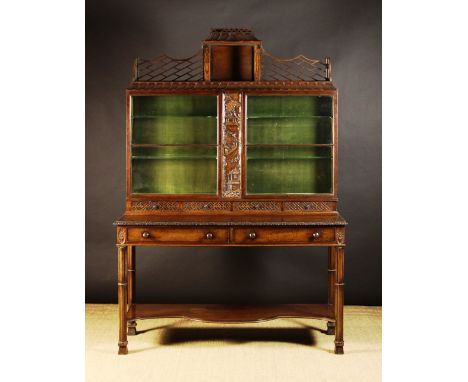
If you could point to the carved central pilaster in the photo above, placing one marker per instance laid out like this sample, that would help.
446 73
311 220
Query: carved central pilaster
231 145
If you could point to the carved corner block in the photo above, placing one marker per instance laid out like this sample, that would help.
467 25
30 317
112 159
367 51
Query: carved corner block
340 235
121 236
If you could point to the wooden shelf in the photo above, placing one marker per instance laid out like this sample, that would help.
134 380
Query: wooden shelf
229 313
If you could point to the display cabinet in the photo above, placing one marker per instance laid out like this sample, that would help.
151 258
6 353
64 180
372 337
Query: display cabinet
231 147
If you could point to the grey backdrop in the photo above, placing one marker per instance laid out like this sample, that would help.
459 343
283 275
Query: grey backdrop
349 32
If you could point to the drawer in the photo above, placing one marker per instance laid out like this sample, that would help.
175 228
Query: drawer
260 235
202 235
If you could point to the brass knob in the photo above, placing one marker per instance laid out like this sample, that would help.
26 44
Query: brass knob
209 236
145 234
252 235
315 235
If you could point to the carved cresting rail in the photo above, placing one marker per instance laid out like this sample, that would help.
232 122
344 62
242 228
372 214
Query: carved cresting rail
166 68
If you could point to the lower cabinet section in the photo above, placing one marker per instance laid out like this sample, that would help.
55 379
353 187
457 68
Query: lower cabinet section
231 235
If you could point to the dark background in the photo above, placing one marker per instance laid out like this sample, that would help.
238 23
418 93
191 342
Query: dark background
349 32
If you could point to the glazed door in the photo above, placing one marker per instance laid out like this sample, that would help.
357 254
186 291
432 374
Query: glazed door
174 144
289 144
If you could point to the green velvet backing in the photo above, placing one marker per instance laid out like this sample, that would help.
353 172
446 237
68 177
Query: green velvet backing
289 106
177 105
175 170
175 130
289 170
289 130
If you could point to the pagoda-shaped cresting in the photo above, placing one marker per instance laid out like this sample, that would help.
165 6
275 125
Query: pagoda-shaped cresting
231 147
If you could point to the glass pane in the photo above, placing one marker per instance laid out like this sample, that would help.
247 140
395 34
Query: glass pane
289 170
175 130
289 130
174 170
174 120
174 105
289 106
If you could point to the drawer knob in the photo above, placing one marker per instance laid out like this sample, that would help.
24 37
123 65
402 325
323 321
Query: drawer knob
315 235
145 235
209 236
252 235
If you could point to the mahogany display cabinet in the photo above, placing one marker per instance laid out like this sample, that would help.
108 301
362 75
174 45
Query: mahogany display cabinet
231 147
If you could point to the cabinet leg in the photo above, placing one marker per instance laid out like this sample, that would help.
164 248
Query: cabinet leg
339 300
331 286
131 325
122 294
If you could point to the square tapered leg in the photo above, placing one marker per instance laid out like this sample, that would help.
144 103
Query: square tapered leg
339 300
331 286
131 325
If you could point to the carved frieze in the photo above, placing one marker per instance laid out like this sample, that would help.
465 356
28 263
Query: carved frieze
231 145
161 205
308 206
207 206
152 205
257 206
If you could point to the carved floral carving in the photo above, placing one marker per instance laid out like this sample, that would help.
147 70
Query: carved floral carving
231 136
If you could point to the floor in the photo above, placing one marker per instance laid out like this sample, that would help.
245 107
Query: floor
179 350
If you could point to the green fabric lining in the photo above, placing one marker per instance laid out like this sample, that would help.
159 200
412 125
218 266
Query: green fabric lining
175 130
289 130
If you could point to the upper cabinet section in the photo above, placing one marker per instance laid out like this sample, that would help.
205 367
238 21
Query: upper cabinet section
230 130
